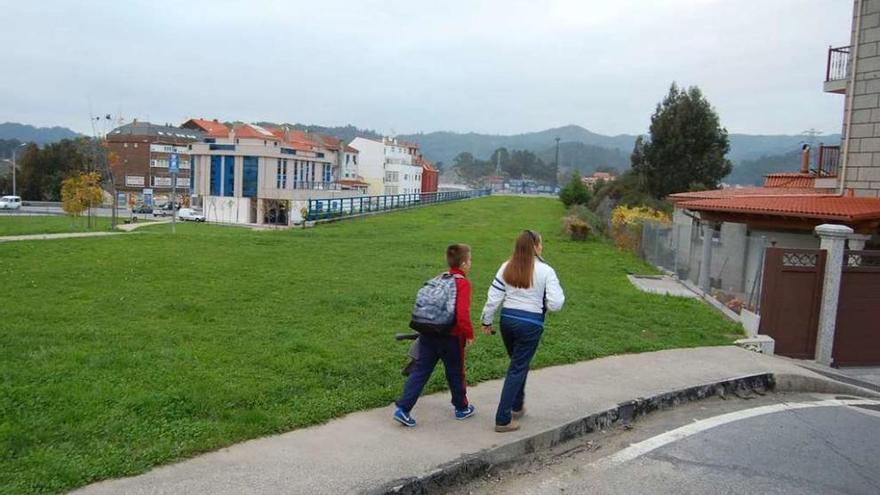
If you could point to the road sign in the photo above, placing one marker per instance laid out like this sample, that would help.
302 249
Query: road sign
174 163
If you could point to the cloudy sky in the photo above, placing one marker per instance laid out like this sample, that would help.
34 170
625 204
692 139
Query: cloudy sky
504 66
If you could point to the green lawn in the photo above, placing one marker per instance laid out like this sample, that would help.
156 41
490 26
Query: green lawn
49 224
123 352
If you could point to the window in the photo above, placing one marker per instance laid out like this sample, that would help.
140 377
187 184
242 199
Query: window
222 147
250 171
125 145
347 158
354 159
312 166
281 174
216 174
228 175
328 173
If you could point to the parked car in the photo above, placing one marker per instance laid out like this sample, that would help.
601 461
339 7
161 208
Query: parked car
10 202
142 209
164 210
190 215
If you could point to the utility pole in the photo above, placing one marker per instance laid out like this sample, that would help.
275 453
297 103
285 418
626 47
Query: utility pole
174 168
557 161
14 166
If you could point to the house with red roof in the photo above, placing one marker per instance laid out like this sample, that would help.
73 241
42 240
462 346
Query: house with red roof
251 174
836 184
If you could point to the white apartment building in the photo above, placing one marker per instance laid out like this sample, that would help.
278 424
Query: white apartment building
389 166
252 175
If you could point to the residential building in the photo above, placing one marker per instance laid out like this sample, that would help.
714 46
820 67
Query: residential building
139 161
246 173
591 180
430 176
837 184
389 166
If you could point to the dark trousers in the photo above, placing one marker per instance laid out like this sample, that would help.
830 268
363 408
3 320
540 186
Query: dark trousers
521 332
432 349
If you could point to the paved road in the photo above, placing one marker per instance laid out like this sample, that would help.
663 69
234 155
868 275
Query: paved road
788 444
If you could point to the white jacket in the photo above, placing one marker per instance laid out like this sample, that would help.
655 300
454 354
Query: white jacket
544 281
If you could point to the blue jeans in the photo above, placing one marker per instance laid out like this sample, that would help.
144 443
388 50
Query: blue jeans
521 331
432 349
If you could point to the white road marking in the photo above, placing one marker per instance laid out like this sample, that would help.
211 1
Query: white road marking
641 448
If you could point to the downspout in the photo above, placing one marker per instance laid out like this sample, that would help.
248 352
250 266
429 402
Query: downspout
851 97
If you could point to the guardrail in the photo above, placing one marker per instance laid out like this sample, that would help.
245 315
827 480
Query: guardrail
335 208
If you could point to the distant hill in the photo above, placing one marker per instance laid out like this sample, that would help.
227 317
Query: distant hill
752 172
40 135
445 145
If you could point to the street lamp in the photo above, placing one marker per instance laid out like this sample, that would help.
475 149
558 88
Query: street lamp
14 151
557 161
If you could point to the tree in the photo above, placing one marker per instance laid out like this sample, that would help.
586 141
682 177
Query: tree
470 169
80 192
42 170
575 192
687 145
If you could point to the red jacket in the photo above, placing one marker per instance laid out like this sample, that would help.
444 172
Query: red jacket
463 326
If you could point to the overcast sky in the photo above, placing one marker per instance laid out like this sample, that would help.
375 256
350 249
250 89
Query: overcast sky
503 66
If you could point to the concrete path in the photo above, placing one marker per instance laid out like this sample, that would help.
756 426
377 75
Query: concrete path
366 451
128 227
43 237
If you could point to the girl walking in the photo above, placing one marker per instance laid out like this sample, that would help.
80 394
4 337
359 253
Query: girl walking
526 288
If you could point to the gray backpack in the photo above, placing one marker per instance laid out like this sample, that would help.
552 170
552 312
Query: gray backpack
434 311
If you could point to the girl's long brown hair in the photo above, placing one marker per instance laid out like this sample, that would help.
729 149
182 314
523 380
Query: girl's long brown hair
521 266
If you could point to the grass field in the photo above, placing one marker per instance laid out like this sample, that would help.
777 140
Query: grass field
48 224
123 352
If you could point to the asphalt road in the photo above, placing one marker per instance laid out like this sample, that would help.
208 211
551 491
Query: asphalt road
786 444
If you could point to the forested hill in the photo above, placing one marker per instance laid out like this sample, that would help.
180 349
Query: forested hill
41 135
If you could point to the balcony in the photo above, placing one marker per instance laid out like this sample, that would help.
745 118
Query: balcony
828 161
837 69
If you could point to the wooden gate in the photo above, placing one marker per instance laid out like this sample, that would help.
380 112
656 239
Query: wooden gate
857 333
791 295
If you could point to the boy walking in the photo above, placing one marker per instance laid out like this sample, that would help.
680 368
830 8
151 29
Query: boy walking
448 348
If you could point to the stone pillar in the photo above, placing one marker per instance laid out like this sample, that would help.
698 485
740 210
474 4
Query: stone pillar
706 260
833 242
856 242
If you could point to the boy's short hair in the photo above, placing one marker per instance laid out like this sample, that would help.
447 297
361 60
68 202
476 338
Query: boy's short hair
457 254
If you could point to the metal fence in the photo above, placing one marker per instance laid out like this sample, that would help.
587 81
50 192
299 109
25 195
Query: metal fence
736 264
333 208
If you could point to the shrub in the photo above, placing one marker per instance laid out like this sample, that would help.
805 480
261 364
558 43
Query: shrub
575 192
626 224
575 228
597 225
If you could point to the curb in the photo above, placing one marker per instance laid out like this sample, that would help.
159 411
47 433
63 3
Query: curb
472 466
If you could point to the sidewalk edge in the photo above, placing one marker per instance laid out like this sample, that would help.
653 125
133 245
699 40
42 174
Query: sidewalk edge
471 466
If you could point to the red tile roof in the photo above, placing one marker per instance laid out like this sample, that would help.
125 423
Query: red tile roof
211 128
748 192
790 179
250 131
840 208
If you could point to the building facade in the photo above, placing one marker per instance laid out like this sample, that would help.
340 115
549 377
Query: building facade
139 157
249 174
389 166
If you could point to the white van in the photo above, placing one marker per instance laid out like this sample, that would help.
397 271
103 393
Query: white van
10 202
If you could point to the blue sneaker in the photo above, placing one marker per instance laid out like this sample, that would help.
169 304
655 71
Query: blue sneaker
404 418
465 413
